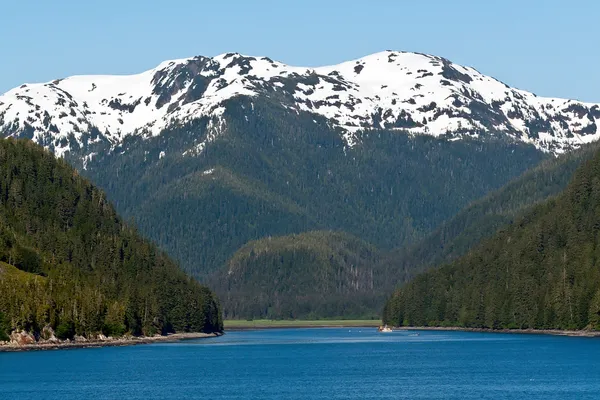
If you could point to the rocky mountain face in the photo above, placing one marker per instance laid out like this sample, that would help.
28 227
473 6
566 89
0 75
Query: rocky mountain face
416 93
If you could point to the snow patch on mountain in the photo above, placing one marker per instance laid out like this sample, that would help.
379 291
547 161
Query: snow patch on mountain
418 93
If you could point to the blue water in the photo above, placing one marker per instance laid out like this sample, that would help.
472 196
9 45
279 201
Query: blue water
356 363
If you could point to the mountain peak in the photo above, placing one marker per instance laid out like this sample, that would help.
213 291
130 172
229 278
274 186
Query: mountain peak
414 92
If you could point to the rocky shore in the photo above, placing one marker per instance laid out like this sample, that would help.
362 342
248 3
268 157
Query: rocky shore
23 341
557 332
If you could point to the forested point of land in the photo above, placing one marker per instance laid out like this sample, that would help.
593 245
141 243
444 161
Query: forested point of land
69 263
540 272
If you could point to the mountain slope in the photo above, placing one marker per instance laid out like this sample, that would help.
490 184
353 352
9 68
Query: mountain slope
311 275
476 222
69 263
278 173
484 217
419 93
206 155
540 272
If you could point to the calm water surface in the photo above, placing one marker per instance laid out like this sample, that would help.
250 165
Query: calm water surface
356 363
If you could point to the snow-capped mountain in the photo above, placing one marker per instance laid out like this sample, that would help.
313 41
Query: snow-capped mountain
419 93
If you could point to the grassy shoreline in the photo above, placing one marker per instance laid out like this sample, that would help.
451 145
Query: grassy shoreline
272 324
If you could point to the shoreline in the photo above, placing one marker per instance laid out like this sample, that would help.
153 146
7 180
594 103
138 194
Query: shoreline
553 332
242 325
299 326
117 342
176 337
340 324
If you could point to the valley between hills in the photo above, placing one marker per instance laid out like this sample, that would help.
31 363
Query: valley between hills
209 193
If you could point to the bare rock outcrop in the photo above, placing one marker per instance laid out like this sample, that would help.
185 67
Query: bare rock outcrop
21 338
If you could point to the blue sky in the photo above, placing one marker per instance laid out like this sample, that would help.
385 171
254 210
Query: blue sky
548 47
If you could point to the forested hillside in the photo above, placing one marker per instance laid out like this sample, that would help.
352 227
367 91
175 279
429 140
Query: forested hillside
68 262
273 172
482 218
207 154
248 291
540 272
319 274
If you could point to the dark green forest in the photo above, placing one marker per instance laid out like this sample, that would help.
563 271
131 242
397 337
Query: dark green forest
68 261
247 291
272 172
319 274
484 217
539 272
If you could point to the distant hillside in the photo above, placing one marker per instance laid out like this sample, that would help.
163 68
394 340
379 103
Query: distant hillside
311 275
542 271
483 218
68 262
276 173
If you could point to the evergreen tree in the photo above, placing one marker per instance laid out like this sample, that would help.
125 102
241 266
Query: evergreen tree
4 328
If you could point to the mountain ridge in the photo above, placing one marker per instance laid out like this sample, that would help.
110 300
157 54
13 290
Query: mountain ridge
482 218
266 164
413 92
